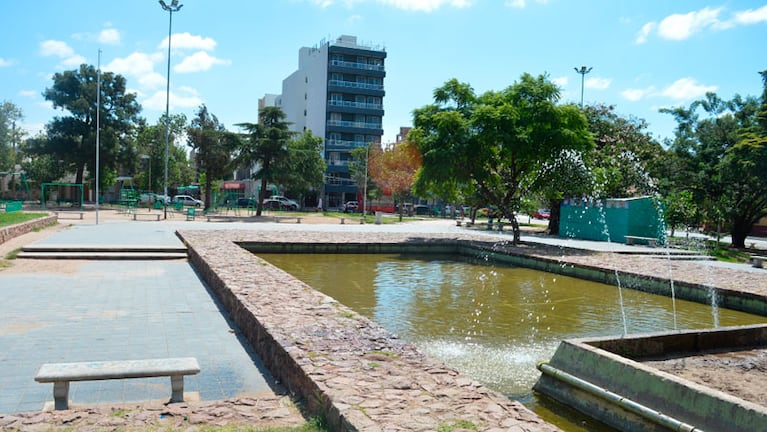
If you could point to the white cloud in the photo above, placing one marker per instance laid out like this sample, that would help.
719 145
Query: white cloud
646 30
109 36
135 64
426 5
751 16
54 48
561 81
635 95
685 89
409 5
597 83
188 41
198 62
521 4
152 80
682 26
5 63
28 93
189 99
679 27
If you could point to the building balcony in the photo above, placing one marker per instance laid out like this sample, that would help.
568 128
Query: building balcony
338 144
353 124
352 104
355 85
355 65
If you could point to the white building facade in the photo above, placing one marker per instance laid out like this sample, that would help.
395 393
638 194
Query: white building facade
336 93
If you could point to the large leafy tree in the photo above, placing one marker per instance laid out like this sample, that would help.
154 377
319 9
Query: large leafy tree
10 134
302 170
263 144
213 146
150 158
496 142
72 138
720 148
394 170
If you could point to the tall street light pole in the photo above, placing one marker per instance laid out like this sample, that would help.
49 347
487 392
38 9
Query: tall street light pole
173 7
583 71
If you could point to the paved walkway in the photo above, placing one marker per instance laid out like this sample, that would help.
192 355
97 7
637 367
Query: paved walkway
69 311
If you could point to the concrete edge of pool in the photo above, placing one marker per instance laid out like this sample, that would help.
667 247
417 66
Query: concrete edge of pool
344 366
602 378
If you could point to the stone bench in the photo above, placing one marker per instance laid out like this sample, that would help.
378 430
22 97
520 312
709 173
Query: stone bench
61 213
281 218
758 261
61 374
651 241
147 215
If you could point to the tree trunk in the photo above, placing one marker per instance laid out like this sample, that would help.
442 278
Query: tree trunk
515 229
261 196
554 216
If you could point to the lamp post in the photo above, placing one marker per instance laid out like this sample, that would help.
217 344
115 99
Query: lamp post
173 7
583 71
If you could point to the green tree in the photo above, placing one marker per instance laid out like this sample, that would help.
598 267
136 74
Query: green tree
150 146
721 147
303 168
72 138
10 135
212 145
263 145
497 142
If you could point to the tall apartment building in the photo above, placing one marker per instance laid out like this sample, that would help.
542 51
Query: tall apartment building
337 93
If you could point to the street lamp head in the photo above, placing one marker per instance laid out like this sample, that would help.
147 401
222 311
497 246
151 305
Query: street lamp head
173 7
583 70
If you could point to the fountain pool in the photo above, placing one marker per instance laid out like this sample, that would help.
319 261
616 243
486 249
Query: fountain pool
494 322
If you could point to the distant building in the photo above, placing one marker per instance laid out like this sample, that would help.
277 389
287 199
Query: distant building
337 93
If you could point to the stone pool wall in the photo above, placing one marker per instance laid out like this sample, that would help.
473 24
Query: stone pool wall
338 363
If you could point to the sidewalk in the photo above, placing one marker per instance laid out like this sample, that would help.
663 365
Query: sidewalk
68 311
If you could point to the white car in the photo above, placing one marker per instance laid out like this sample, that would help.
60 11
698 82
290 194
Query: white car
286 202
187 200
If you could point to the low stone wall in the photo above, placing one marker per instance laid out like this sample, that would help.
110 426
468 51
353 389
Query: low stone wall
13 231
338 363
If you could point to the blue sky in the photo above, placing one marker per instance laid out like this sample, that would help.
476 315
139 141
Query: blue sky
645 55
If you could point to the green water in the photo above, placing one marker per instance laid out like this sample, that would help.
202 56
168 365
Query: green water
491 321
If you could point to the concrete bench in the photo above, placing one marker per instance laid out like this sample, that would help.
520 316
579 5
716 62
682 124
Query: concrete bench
80 214
61 374
281 218
651 241
758 261
156 216
219 218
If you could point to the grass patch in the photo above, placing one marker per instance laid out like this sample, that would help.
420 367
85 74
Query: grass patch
19 217
730 255
458 424
12 254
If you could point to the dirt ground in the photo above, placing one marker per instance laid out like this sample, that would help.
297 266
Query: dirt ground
742 374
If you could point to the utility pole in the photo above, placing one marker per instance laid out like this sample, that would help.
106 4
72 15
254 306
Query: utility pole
583 71
173 7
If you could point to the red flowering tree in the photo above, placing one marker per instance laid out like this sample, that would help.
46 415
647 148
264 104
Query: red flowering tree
394 170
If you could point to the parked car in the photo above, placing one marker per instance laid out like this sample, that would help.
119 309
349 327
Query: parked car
421 210
287 203
247 202
542 214
275 204
351 207
187 200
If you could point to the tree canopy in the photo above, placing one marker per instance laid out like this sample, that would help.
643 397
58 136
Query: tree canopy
719 154
212 145
10 134
394 170
262 146
496 142
72 138
303 168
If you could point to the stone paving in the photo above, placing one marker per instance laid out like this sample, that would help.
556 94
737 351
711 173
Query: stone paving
349 366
